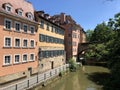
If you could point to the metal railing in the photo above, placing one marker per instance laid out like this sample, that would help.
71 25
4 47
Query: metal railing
36 79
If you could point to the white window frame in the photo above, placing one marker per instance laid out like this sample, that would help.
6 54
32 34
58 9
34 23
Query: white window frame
19 12
23 43
8 5
15 42
30 43
4 41
19 26
6 19
10 59
33 58
22 57
23 28
33 28
19 58
29 16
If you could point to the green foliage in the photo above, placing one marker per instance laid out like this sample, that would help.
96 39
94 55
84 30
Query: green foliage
73 65
89 34
108 49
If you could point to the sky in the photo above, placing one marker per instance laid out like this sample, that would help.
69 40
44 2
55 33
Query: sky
87 13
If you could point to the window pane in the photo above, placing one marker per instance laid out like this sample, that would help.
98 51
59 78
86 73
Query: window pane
17 58
25 43
31 57
7 59
17 42
25 58
32 30
8 42
7 24
17 26
32 43
25 28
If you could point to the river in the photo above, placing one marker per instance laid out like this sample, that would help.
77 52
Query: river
85 78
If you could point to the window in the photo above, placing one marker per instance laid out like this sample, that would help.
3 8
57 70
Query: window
25 28
7 24
24 57
17 26
25 43
47 26
7 59
32 57
32 43
19 12
17 42
8 7
7 42
32 29
17 59
30 16
42 38
47 38
41 24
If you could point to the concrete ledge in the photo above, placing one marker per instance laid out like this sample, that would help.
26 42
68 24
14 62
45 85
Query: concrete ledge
12 77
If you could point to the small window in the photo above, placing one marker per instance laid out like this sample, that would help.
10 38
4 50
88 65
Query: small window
32 43
17 59
17 42
47 26
17 26
7 42
32 29
19 12
8 24
8 7
42 38
25 43
30 16
41 24
7 59
25 58
25 28
32 57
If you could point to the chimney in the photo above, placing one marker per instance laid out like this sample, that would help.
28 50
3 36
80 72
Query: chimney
62 18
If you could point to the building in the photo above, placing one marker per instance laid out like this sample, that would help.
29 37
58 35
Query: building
51 42
74 34
18 40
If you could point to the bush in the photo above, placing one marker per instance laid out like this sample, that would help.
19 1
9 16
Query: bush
73 65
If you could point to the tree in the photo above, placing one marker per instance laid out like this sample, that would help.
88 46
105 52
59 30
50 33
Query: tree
89 34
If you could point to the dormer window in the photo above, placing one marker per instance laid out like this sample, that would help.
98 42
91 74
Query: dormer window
19 11
30 16
8 7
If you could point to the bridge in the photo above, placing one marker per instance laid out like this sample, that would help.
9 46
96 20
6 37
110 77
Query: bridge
82 47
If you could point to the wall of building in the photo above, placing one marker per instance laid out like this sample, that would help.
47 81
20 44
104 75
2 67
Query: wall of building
45 63
20 69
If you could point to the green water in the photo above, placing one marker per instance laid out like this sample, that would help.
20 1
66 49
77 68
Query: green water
87 78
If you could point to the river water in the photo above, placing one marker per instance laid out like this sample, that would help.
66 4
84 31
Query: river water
85 78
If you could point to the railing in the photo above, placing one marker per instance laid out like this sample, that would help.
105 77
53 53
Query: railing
37 79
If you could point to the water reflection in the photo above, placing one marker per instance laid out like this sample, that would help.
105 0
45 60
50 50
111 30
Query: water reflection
77 80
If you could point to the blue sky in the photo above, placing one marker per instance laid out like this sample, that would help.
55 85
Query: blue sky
87 13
